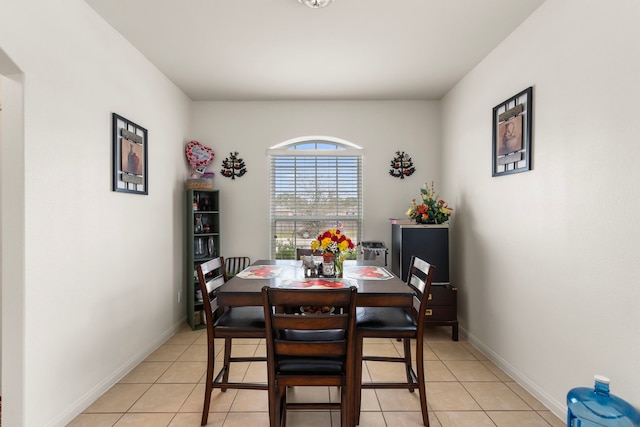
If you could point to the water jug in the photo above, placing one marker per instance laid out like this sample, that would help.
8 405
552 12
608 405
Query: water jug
595 407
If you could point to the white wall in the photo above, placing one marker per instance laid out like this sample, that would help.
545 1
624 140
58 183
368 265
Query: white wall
97 289
1 236
546 260
12 226
381 128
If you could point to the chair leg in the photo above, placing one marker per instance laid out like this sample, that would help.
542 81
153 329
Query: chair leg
209 384
407 362
226 363
345 415
282 407
275 406
357 381
350 417
422 389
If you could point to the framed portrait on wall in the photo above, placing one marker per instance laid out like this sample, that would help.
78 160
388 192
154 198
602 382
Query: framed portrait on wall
130 161
511 145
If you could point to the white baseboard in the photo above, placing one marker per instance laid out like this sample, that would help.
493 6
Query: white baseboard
559 409
103 386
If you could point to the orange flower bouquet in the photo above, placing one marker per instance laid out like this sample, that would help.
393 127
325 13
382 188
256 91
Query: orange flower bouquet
432 210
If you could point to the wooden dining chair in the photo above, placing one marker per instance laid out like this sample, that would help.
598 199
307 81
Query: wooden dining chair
400 323
236 264
226 323
309 349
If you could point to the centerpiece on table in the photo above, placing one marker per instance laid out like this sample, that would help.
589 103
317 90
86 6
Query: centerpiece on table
333 245
432 210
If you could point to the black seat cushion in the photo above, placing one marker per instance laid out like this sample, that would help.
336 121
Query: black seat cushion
242 317
385 319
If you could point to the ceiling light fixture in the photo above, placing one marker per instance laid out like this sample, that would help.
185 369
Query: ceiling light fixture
316 4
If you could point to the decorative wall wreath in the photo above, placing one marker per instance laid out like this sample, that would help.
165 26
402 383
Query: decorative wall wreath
401 165
233 166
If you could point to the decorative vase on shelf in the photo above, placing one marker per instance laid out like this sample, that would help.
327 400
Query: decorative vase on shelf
211 246
199 250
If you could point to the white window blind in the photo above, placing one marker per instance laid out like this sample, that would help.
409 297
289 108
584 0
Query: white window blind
314 186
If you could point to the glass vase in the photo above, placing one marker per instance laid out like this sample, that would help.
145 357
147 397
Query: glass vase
327 264
338 259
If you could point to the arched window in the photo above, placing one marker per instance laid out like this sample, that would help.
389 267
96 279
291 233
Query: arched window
316 184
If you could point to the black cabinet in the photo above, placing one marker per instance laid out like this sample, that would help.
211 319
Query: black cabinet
431 243
443 307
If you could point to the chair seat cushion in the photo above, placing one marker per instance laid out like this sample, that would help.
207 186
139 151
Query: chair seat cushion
385 318
310 366
242 317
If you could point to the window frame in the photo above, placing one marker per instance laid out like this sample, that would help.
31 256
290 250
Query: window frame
353 223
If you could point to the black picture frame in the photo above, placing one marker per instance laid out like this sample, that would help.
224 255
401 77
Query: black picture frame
130 156
512 130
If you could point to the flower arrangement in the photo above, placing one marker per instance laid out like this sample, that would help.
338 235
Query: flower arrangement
332 241
333 244
432 210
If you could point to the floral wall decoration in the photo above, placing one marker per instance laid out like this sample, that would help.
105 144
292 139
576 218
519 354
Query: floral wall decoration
401 165
233 166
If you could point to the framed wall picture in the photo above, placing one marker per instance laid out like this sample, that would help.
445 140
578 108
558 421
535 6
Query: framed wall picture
512 134
130 160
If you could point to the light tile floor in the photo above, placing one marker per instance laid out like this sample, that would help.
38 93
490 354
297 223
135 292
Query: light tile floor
464 389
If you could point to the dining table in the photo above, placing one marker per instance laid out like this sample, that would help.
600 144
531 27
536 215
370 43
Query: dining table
376 286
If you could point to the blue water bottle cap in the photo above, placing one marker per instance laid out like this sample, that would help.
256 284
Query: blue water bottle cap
601 379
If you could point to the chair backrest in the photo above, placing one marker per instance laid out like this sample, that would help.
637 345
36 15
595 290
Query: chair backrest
306 252
326 335
419 279
211 275
236 264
